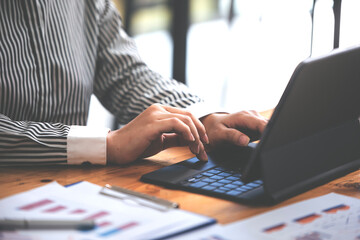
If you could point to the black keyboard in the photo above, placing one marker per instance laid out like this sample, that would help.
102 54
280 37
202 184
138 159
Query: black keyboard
220 181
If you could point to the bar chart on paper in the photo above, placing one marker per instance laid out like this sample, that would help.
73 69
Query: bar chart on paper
329 217
340 220
108 224
114 219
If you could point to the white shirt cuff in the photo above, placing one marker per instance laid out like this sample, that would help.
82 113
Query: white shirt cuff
86 144
203 109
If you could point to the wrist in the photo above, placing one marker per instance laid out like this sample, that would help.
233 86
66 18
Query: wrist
109 143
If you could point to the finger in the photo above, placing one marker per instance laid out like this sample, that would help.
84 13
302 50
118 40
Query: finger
200 127
202 154
248 121
187 120
175 140
195 146
175 125
235 136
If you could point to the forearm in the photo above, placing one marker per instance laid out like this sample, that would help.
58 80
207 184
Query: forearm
53 143
24 141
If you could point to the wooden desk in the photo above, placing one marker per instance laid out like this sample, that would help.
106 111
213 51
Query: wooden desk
17 179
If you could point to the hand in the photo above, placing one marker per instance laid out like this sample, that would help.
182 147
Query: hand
237 128
157 128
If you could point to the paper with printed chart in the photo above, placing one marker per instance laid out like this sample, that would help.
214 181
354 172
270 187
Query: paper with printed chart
115 219
329 217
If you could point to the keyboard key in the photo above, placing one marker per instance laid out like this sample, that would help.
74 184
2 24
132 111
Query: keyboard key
224 189
224 174
245 188
208 187
253 185
213 171
231 178
258 181
216 184
216 177
239 183
208 180
198 184
234 192
231 186
219 191
207 174
224 181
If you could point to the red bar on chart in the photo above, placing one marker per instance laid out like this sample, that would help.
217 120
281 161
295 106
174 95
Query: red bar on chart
104 224
34 205
341 207
54 209
308 219
274 228
97 215
78 211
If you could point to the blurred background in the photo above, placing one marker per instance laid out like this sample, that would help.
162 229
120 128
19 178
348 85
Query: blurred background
236 54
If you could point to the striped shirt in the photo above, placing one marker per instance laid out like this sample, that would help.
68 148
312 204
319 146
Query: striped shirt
53 55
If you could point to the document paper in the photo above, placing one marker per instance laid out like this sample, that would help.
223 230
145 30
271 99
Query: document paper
114 218
329 217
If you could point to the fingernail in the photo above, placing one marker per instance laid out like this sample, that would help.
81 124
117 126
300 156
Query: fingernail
192 138
198 149
244 140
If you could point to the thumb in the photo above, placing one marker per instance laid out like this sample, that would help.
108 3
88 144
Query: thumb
236 137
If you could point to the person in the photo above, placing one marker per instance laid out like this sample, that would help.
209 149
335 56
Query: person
55 54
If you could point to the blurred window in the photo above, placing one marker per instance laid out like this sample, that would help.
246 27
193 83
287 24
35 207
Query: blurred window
244 63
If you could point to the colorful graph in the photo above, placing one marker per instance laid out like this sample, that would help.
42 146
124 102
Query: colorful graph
324 219
105 224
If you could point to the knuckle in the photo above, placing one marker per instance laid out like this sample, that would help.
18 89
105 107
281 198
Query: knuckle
175 121
187 120
156 106
189 114
253 112
202 128
152 114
